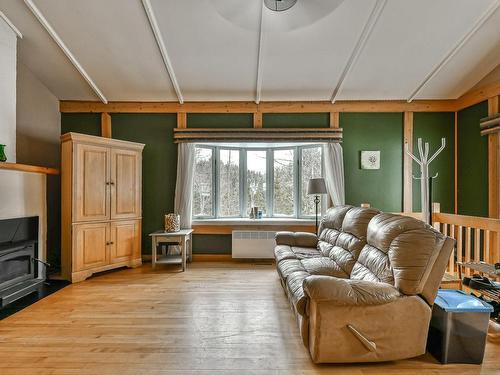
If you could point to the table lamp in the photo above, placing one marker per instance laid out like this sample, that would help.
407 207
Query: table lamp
316 186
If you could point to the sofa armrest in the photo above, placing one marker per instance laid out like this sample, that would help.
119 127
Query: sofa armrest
345 292
301 239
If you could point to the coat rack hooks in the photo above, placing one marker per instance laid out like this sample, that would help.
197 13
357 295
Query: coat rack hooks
425 180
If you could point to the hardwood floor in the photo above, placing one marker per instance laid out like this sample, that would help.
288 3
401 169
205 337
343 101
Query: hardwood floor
216 318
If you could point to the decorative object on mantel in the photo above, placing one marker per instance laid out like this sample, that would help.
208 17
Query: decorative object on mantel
316 186
3 157
370 159
425 180
490 124
172 223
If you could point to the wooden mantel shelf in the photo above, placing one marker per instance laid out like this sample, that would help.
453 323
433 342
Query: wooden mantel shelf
28 168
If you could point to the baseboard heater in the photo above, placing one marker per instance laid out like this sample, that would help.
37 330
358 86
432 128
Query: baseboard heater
253 244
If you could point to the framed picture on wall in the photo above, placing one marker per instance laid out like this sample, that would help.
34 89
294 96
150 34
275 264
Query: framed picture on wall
370 159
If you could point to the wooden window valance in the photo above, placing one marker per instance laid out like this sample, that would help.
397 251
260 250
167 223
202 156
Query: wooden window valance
490 124
200 135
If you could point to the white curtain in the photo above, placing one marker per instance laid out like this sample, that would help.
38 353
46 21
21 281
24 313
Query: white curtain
334 172
183 202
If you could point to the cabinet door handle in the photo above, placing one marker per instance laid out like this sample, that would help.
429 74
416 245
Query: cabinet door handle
108 183
111 183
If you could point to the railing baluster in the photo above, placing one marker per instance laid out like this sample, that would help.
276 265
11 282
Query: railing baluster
487 248
467 248
459 243
477 245
451 262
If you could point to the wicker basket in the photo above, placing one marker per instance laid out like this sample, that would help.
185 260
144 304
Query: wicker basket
172 223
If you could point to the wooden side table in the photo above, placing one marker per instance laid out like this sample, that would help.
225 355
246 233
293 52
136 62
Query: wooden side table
182 237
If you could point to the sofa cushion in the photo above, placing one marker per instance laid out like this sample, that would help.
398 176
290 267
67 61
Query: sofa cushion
282 252
400 251
301 239
288 266
343 234
323 266
296 292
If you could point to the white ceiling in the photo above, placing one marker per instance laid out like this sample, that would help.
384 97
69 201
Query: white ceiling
213 47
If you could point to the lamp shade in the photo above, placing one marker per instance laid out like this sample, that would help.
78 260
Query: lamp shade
316 186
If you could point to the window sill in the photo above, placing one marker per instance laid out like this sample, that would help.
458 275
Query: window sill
245 221
226 226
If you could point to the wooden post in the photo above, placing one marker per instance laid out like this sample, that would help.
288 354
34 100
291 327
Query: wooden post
456 163
106 125
257 119
493 181
181 120
334 120
408 163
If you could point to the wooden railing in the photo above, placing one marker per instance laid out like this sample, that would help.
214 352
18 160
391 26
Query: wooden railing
477 238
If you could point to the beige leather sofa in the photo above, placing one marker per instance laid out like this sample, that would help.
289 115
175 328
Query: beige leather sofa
363 291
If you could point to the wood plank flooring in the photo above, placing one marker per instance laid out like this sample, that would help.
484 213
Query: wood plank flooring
215 318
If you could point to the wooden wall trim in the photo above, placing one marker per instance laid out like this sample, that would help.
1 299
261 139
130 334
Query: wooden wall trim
493 165
257 120
477 96
451 105
408 163
106 129
334 120
263 107
456 162
182 120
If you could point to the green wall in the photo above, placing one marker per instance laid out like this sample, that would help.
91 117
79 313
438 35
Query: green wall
295 120
382 188
362 131
220 120
86 123
431 127
159 165
472 162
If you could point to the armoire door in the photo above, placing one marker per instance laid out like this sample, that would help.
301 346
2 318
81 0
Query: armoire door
90 246
125 241
91 183
125 184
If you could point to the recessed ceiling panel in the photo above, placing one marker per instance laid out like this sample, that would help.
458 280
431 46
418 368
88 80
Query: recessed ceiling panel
478 57
213 56
408 41
305 63
37 51
114 43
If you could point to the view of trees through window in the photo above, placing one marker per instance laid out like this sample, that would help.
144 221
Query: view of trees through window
229 181
310 169
203 182
257 180
283 195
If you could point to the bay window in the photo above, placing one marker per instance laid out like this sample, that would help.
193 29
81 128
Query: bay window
230 180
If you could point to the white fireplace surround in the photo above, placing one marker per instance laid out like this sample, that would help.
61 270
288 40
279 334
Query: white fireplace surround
23 194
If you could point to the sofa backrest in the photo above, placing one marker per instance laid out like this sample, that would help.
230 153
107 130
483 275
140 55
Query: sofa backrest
342 234
400 251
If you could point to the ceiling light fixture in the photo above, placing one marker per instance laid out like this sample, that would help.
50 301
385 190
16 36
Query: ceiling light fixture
279 5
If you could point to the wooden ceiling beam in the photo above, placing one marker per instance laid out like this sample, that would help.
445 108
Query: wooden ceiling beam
448 105
68 106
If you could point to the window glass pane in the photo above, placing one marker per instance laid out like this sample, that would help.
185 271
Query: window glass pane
256 180
202 184
283 195
229 183
310 164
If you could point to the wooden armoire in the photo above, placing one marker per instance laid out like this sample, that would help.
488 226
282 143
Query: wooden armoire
101 188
